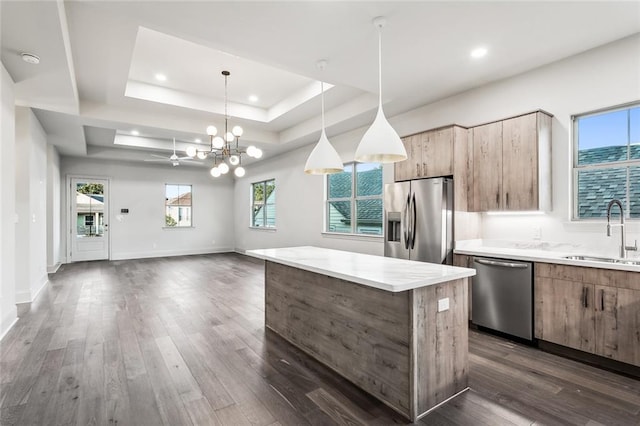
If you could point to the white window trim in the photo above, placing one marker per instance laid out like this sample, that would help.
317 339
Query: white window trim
251 204
164 221
352 200
574 219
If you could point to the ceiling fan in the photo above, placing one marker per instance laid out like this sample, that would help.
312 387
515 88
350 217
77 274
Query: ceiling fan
174 159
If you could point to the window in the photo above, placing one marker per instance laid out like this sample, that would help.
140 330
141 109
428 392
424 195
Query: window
607 162
177 201
355 195
263 204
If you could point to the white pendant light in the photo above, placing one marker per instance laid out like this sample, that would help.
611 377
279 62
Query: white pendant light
380 143
324 159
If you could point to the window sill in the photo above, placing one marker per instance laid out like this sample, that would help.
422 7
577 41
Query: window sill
263 228
345 236
178 227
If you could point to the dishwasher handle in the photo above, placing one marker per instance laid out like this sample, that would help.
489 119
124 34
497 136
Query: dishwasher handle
500 263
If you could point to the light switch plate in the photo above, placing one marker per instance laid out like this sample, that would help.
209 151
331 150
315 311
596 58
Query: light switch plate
443 304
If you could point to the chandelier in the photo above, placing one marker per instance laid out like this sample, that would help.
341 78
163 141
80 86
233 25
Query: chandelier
225 149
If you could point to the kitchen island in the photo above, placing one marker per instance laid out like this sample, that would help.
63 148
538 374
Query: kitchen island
395 328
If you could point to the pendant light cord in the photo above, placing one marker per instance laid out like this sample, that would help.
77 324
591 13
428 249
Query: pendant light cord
380 65
226 113
322 98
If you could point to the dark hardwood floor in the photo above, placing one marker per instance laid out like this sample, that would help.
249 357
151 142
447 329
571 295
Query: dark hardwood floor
182 341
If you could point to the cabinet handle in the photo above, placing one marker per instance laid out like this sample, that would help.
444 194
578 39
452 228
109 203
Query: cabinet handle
584 297
507 199
498 200
602 300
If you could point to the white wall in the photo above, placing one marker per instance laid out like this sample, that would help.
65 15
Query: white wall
53 209
31 196
141 189
605 76
299 203
8 313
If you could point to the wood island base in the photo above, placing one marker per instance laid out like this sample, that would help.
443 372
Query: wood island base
394 345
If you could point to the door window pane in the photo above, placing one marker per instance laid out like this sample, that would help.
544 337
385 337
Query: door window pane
89 209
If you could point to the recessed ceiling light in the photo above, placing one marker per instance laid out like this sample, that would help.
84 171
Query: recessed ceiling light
198 140
479 52
253 98
135 132
30 58
161 77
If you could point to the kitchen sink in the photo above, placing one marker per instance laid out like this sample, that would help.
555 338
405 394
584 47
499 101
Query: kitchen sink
604 259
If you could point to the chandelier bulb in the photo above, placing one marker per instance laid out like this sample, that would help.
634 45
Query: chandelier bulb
224 168
212 131
234 160
229 137
257 153
191 151
217 142
201 155
237 131
239 171
215 172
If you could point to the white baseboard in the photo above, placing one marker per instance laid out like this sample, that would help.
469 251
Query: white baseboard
167 253
52 269
4 333
240 251
29 296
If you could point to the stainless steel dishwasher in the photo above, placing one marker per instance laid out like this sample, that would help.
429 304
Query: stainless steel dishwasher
502 296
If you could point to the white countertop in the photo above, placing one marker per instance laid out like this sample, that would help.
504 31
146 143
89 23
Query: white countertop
536 252
384 273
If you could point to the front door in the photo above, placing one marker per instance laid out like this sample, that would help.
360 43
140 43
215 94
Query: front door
89 219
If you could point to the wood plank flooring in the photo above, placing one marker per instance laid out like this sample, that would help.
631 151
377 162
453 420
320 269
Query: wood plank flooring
181 341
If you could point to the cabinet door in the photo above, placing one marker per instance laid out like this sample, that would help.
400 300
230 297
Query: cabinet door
487 167
520 163
410 168
618 324
437 152
564 313
462 170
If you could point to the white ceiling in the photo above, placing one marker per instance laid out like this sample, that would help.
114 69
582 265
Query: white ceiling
96 80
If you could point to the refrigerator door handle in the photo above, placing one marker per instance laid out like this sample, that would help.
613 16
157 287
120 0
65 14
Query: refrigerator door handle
413 221
406 226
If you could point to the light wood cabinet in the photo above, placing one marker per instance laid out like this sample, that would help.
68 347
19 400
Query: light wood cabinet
512 164
589 309
411 168
439 152
487 167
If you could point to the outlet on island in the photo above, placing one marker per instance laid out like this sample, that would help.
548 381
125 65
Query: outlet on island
443 304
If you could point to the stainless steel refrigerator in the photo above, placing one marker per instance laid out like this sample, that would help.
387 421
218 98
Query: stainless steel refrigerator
418 217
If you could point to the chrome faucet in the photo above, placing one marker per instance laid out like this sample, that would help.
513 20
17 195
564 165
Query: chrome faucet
623 245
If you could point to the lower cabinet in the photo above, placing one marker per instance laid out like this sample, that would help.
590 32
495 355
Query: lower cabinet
589 309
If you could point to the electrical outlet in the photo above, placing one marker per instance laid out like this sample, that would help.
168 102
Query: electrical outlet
537 233
443 304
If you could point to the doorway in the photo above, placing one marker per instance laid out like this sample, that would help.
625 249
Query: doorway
89 222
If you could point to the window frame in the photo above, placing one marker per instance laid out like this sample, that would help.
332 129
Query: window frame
353 201
265 226
576 168
177 226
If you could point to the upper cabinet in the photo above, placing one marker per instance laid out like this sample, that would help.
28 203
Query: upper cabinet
500 166
435 153
512 164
